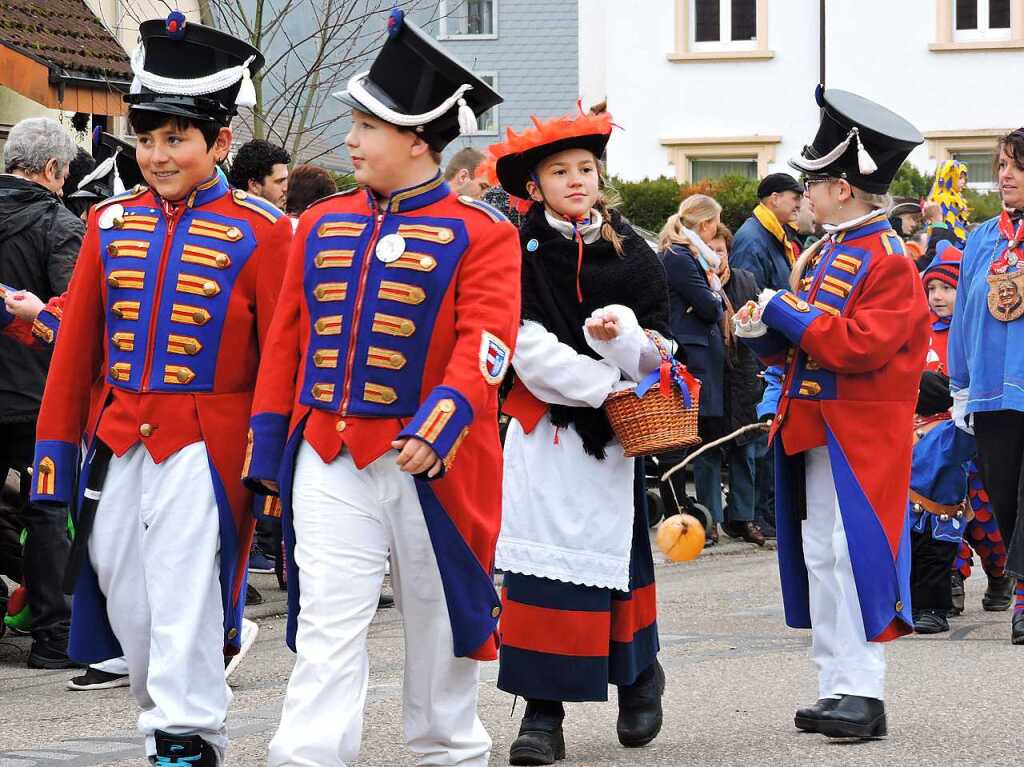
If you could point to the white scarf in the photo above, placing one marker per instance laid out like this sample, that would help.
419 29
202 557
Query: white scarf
708 259
589 231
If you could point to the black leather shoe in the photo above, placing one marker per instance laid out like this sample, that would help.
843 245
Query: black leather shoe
807 719
930 622
640 713
957 590
540 739
999 594
1017 631
854 717
50 656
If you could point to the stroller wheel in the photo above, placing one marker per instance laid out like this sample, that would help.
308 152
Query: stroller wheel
702 513
655 507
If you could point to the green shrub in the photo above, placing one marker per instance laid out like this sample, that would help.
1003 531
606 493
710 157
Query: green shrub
910 182
647 203
983 206
738 197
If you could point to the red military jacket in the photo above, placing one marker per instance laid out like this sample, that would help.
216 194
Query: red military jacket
853 341
159 343
397 319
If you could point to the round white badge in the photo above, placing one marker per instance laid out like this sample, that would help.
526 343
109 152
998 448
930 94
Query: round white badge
390 248
110 214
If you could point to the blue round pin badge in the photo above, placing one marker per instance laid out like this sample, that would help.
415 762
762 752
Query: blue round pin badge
176 25
532 245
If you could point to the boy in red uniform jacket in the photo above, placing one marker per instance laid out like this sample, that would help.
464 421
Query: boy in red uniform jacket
153 371
852 334
376 413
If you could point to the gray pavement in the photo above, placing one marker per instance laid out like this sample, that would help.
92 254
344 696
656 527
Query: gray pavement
735 675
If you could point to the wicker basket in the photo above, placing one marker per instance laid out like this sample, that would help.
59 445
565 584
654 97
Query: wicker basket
653 423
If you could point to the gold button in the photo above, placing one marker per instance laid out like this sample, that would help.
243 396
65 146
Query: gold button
407 327
495 612
233 233
118 223
397 360
210 288
803 306
112 281
239 194
192 346
447 406
340 425
199 318
223 261
899 606
426 262
232 633
146 430
183 375
112 250
44 468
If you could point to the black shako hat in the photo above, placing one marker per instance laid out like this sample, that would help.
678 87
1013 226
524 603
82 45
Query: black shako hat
858 140
116 172
414 83
188 70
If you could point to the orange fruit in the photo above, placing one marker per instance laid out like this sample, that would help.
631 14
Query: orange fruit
680 537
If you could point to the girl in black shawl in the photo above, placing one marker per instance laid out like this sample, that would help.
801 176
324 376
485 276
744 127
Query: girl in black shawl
579 601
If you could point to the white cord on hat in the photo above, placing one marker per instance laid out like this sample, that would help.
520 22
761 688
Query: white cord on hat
194 86
467 118
865 162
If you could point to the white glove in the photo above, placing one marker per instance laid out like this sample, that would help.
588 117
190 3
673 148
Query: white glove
747 322
961 418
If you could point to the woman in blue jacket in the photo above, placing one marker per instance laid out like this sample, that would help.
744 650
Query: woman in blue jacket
696 307
986 366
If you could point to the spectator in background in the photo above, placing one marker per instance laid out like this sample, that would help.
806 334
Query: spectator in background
80 167
905 218
261 168
696 312
741 393
306 185
39 242
461 173
761 245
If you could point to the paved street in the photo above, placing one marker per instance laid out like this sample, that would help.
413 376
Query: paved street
735 674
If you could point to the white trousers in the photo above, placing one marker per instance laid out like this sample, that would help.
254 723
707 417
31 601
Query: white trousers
155 547
847 663
346 521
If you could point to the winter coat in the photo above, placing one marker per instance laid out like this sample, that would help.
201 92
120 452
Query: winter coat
695 313
757 250
742 386
39 242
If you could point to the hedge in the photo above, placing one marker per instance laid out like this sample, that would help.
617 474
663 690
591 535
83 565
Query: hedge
649 203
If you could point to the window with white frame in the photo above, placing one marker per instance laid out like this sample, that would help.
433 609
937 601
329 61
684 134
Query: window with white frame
981 20
980 173
712 168
471 19
487 123
718 25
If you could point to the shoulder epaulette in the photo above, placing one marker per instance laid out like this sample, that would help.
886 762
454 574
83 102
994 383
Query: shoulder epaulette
256 204
131 194
342 193
494 214
892 243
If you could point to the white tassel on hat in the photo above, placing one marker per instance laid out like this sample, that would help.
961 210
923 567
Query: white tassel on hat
467 118
865 163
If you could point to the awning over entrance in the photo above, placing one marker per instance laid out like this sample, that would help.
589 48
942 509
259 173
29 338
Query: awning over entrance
58 54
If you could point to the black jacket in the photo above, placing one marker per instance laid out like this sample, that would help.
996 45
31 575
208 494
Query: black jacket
39 242
742 386
695 313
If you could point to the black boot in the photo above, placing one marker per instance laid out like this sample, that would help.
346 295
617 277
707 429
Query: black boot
999 594
807 719
540 738
854 717
930 622
640 713
183 750
1017 630
957 592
